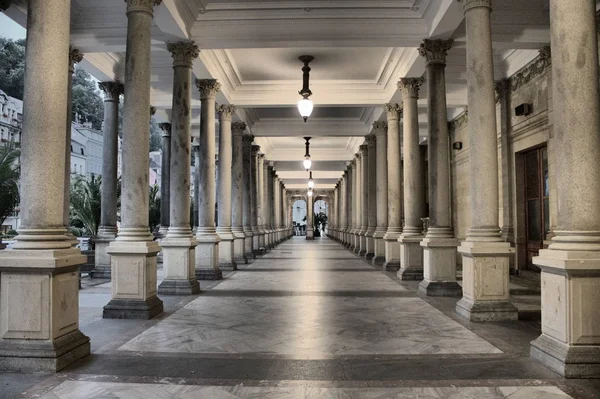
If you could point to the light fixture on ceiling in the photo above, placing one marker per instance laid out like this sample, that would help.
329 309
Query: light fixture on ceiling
305 106
307 162
311 182
310 192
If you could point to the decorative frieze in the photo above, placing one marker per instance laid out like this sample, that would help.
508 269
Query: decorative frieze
208 88
435 51
410 86
459 121
536 68
183 53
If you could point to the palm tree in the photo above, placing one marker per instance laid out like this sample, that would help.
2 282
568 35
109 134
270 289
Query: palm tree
84 211
9 180
154 208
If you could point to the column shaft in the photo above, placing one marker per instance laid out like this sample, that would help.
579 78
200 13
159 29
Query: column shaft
371 200
394 187
237 192
364 198
381 194
247 205
165 178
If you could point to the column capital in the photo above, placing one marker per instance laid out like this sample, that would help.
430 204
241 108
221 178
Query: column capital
410 86
75 57
469 4
392 110
363 148
146 6
226 111
166 129
371 139
111 90
435 51
152 110
255 150
379 127
238 128
183 53
208 88
247 139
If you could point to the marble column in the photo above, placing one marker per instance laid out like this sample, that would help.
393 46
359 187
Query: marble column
277 207
133 253
371 195
310 212
207 251
411 253
256 217
570 277
260 195
196 193
485 255
224 181
179 246
343 208
248 207
381 194
358 197
107 232
350 203
165 176
334 212
364 197
75 56
266 203
439 245
237 193
394 187
39 276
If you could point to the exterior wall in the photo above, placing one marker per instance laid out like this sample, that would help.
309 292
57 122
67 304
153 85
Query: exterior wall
531 85
11 118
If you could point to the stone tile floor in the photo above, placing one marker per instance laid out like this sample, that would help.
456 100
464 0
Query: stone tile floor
306 320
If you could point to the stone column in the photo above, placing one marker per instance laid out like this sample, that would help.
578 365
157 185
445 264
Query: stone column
381 194
349 203
364 197
207 251
411 253
224 180
39 276
107 232
179 246
256 217
570 278
248 207
260 195
310 212
485 255
439 246
165 167
133 253
196 175
371 193
358 201
343 209
271 201
266 203
237 193
394 187
75 56
334 212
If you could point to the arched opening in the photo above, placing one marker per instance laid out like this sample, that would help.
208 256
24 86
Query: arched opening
321 212
299 217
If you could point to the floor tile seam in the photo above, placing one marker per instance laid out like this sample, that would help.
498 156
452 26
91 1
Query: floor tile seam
333 294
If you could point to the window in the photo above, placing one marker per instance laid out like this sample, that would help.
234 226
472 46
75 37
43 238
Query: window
82 153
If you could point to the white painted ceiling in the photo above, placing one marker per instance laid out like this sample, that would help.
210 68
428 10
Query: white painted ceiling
361 49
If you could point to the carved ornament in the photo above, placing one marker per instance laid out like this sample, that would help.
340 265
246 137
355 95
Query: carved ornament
410 87
247 139
459 121
435 51
208 88
535 68
166 128
152 111
255 149
371 139
469 4
226 111
75 57
183 53
380 125
363 149
146 6
238 128
393 110
112 90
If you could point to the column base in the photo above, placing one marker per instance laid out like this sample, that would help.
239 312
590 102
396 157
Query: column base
378 260
209 274
102 267
487 310
393 266
229 267
226 251
310 234
101 271
179 287
411 258
569 361
440 288
392 252
32 356
133 308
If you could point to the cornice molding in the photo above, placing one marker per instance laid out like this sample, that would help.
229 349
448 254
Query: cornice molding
534 69
459 121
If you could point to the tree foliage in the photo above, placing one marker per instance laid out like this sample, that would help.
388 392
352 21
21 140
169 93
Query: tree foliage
87 101
9 180
154 207
12 66
84 210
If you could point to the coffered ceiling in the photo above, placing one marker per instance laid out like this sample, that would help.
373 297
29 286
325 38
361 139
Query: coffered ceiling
361 50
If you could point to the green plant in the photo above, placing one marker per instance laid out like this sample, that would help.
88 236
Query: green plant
154 208
85 209
320 219
9 180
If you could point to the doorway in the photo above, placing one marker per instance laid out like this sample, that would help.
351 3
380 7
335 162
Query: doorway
537 191
299 217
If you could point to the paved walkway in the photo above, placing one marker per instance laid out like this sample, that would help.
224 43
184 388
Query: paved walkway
310 319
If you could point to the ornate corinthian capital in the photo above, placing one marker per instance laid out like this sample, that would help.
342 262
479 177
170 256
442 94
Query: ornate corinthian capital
142 5
410 86
226 111
247 139
469 4
208 87
112 90
380 124
363 149
183 53
4 4
255 149
166 128
238 127
371 139
75 56
435 51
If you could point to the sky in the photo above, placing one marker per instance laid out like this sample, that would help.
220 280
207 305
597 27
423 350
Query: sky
11 29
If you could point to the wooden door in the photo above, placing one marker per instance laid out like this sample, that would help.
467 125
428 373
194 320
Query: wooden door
536 202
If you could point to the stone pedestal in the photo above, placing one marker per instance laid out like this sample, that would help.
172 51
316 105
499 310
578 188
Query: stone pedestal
226 250
239 255
379 248
411 258
207 258
485 282
439 267
392 252
179 258
102 258
133 281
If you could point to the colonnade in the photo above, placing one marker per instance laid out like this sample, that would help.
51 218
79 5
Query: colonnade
570 276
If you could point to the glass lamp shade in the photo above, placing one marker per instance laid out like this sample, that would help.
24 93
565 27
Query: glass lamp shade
307 163
305 106
311 183
310 193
